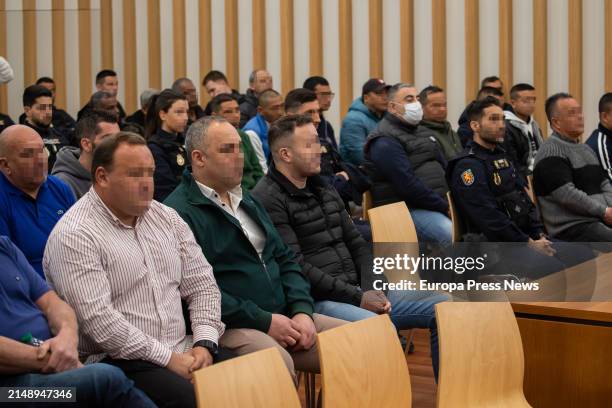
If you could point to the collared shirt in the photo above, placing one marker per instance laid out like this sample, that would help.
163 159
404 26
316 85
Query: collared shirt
126 283
251 229
28 221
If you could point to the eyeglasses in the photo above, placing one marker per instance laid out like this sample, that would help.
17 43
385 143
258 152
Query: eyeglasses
326 94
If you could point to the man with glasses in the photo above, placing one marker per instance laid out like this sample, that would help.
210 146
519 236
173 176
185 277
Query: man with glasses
325 96
38 108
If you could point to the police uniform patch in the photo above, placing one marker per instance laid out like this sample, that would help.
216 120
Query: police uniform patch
497 179
323 149
180 160
467 177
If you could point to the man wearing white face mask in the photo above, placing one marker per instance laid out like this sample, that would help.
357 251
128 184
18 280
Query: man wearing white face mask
406 163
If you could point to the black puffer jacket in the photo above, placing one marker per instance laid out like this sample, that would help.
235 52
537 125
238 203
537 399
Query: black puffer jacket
315 225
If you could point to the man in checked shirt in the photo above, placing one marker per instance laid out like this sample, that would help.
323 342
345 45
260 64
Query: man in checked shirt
124 262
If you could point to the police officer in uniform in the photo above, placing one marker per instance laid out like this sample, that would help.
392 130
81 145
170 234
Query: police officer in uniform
493 201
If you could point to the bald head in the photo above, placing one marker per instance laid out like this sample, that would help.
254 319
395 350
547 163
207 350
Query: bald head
23 158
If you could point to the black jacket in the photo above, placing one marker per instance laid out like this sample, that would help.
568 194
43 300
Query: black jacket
314 224
85 109
53 140
137 117
5 121
248 108
170 161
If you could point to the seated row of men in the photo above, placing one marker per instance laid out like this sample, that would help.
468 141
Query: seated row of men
251 277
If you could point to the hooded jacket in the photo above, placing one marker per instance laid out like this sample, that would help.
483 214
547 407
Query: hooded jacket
68 168
522 141
356 126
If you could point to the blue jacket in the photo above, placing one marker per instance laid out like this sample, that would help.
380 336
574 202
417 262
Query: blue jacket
258 125
601 143
356 127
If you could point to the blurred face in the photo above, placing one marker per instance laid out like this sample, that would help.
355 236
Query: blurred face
188 89
263 82
605 118
231 112
435 108
376 101
41 112
495 84
273 110
310 109
569 120
402 97
25 163
109 84
303 154
491 127
50 86
215 88
325 96
525 103
103 130
175 119
109 105
220 160
127 186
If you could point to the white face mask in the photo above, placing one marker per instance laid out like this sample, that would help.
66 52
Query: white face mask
413 113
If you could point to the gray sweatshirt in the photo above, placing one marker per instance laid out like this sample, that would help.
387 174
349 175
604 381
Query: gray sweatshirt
68 168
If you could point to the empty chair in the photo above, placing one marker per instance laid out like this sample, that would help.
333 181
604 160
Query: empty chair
363 365
481 356
366 204
258 379
392 223
458 228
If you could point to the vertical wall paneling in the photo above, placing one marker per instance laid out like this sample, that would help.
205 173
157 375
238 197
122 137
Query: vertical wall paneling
574 49
376 37
153 30
178 39
472 49
29 41
407 40
106 16
259 34
231 41
3 34
505 44
85 74
345 26
315 35
540 59
205 34
439 42
129 80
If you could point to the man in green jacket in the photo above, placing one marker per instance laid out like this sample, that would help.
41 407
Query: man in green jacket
227 107
435 112
265 299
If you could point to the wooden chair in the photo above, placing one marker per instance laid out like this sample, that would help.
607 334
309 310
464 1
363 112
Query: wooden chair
392 223
366 204
458 229
481 356
362 365
259 379
530 191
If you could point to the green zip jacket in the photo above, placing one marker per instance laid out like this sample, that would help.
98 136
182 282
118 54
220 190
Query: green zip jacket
446 137
252 169
252 289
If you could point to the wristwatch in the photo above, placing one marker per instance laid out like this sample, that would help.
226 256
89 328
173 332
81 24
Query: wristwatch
211 346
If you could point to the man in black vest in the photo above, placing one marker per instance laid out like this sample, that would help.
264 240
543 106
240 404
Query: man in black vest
405 163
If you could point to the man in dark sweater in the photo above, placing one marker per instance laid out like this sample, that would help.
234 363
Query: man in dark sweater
573 190
311 219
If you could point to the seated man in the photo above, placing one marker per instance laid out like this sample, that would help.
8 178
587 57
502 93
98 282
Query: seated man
494 202
31 202
601 138
464 131
73 164
125 261
311 219
265 298
435 113
269 110
226 106
32 313
573 190
405 163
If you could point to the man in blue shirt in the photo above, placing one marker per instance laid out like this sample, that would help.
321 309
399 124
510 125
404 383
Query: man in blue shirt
30 307
31 202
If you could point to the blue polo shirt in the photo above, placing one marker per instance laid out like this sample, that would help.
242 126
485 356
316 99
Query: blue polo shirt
20 288
27 221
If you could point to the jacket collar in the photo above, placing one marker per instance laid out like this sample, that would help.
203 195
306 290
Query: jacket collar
604 130
315 183
441 126
399 123
194 193
163 138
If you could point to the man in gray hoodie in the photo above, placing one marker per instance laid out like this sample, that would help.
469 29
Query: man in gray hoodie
523 134
73 164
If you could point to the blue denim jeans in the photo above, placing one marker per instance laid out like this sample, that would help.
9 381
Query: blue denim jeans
97 385
432 226
409 309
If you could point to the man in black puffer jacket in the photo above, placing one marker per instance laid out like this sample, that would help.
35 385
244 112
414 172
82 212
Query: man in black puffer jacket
310 217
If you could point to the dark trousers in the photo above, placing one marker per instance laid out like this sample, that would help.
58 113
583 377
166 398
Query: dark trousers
591 232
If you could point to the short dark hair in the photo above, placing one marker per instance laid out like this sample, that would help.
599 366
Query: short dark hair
431 89
214 76
605 102
45 80
103 74
104 154
33 92
312 82
477 108
489 79
216 102
176 85
284 127
297 97
87 126
514 91
487 91
551 103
